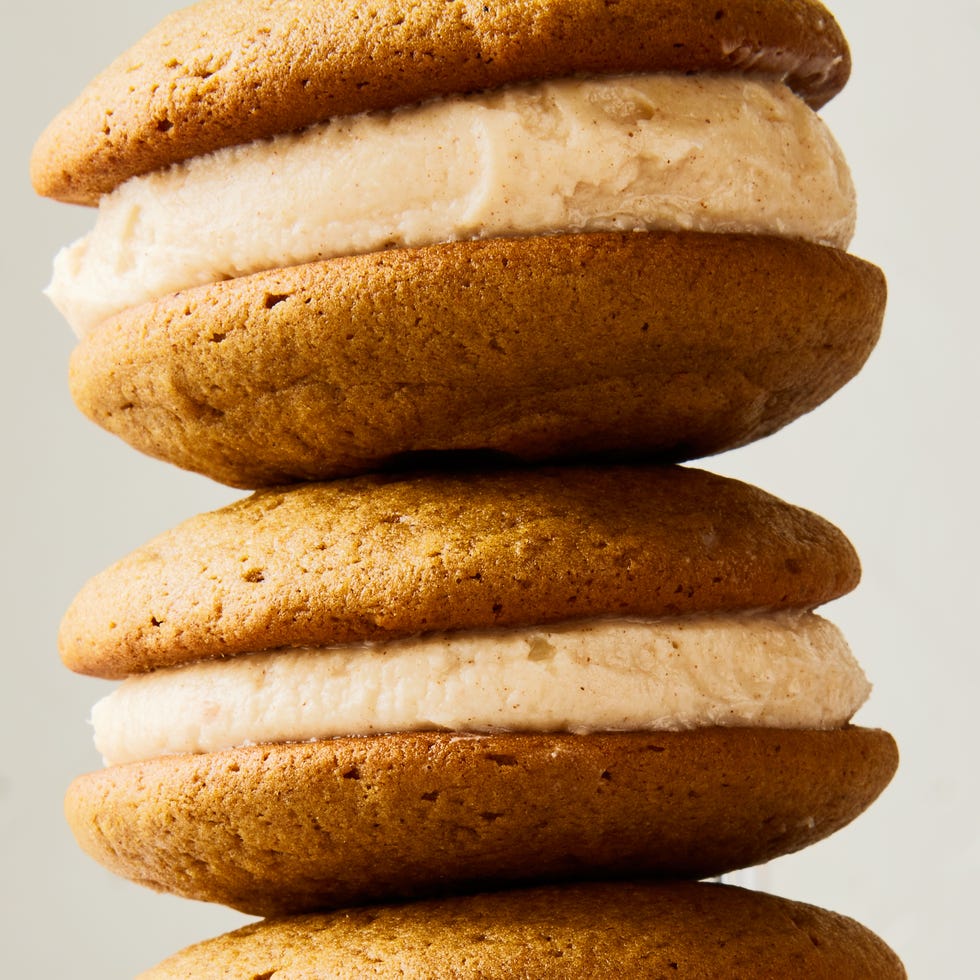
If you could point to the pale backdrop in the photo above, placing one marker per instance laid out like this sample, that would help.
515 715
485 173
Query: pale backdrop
892 459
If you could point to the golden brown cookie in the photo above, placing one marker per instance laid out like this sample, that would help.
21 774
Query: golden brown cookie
391 555
292 827
628 929
231 71
661 346
650 344
297 827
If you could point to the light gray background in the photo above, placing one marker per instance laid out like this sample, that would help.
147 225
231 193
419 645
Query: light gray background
892 459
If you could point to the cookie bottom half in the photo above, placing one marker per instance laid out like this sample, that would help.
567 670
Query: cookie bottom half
672 346
299 827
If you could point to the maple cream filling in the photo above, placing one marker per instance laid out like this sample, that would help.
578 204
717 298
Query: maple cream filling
777 670
702 153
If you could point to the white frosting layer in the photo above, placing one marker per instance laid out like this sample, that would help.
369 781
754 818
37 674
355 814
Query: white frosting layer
717 154
782 670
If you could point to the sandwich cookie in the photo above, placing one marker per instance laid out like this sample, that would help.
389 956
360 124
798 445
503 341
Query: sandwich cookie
568 229
401 685
630 929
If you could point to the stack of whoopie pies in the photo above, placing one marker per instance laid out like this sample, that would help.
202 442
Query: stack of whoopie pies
479 682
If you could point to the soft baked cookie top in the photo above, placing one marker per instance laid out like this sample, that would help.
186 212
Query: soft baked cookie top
393 555
229 71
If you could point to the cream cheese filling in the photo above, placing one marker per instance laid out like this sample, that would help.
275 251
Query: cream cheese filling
702 153
777 670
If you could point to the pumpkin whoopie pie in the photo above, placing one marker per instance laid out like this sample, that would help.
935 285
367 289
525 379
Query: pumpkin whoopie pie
331 235
406 684
630 929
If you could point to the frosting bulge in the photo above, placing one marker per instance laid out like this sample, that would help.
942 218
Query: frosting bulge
777 670
701 153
